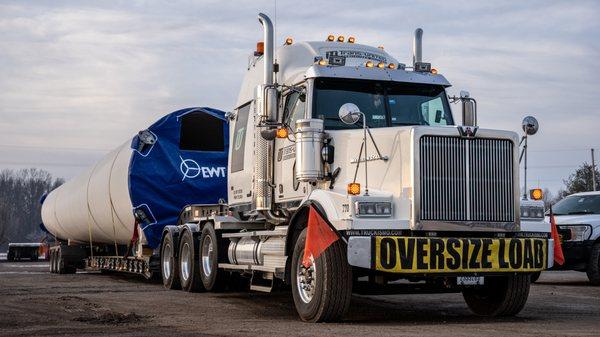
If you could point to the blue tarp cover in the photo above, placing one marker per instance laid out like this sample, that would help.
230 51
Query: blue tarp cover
163 178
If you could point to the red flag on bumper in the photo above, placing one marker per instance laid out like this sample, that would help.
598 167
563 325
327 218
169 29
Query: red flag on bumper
319 236
559 258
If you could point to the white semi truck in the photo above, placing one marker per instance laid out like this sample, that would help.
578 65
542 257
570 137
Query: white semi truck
339 150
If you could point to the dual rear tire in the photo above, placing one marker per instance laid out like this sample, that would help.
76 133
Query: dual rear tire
198 264
499 296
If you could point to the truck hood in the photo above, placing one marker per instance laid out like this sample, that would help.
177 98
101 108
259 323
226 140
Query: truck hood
582 219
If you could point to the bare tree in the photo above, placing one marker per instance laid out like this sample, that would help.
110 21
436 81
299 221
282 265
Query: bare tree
20 207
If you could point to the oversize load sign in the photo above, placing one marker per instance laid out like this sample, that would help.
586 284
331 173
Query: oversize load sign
442 255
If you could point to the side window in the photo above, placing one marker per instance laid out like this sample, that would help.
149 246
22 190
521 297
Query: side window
201 132
433 112
239 138
295 106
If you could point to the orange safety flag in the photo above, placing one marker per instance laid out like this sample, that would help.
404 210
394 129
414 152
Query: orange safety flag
319 236
559 258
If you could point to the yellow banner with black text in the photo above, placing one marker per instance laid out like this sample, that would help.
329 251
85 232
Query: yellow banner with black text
458 255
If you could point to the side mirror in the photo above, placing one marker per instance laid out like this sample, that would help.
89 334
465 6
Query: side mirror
530 125
469 109
349 113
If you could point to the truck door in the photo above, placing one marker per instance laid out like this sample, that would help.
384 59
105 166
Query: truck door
287 188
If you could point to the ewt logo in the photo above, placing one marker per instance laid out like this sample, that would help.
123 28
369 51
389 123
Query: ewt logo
190 169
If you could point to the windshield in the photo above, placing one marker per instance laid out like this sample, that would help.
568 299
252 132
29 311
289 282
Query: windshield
578 204
383 103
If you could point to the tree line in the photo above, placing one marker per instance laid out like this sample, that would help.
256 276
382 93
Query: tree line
20 206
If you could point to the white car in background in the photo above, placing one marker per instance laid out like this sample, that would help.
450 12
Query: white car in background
578 223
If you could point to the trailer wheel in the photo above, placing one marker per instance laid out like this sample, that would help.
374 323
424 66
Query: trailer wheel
213 278
10 256
169 265
321 292
499 296
189 273
52 261
593 268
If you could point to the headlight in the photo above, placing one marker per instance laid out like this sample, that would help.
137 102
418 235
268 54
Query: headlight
532 212
373 208
577 232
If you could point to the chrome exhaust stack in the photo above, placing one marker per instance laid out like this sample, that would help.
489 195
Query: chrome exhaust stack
265 106
417 47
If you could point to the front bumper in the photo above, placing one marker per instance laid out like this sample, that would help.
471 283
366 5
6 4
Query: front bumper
434 255
577 254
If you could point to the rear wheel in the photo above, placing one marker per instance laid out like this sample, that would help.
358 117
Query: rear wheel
189 274
593 269
499 296
213 278
169 265
52 262
321 292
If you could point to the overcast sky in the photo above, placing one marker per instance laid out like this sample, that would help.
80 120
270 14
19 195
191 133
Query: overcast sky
78 78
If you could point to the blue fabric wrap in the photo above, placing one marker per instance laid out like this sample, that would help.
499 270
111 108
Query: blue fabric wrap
157 182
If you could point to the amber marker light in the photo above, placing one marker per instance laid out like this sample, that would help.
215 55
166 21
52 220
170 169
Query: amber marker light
289 41
434 71
341 38
369 64
354 188
392 66
282 133
536 194
351 39
380 47
330 38
260 48
322 62
380 65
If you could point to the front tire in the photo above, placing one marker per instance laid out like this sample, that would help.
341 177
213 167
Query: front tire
213 278
189 275
593 269
321 292
499 296
169 265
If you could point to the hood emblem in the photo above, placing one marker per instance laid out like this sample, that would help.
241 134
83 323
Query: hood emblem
467 131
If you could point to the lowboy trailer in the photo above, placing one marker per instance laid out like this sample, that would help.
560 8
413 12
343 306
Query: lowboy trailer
345 170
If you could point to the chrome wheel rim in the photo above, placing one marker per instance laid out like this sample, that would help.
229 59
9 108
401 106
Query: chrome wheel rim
185 261
306 280
207 256
167 259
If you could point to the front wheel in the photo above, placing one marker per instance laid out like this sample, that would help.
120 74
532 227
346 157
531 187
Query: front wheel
593 269
321 292
499 296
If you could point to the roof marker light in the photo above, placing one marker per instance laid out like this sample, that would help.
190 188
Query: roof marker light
322 62
351 39
392 66
369 64
341 38
434 71
380 47
380 65
330 38
289 41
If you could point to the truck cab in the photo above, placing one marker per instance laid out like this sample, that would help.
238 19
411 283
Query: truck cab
348 170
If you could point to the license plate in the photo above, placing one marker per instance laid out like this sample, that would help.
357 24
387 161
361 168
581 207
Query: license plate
469 280
398 254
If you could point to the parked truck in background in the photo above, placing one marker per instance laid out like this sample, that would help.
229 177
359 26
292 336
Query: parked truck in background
346 169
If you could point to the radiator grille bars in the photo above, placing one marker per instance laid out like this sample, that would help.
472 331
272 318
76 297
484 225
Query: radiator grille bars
466 179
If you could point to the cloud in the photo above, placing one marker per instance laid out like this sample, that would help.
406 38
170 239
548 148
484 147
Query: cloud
90 74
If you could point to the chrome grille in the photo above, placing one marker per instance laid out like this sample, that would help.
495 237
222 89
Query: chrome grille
466 179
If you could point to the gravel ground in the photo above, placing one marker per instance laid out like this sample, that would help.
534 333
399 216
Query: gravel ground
34 302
